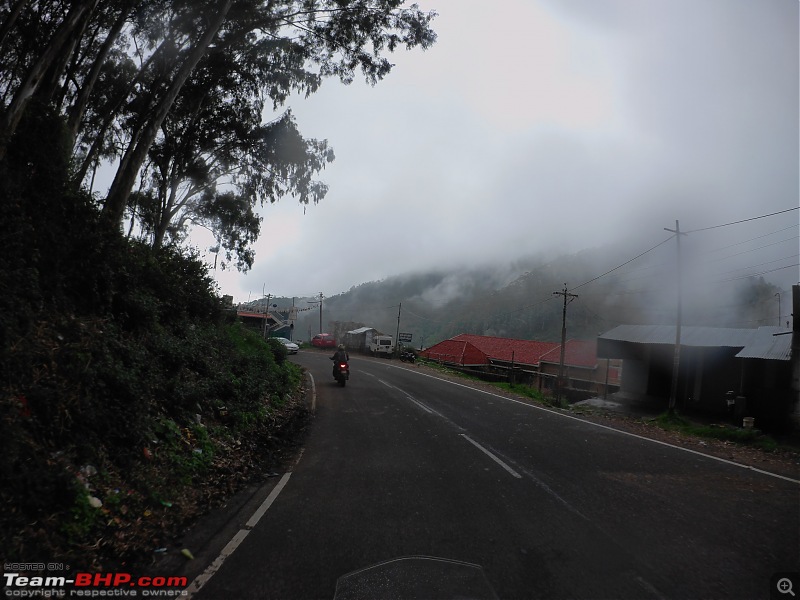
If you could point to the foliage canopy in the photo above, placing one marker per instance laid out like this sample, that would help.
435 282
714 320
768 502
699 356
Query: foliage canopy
176 93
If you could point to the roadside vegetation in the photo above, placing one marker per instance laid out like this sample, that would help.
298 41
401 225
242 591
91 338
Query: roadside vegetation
726 433
131 401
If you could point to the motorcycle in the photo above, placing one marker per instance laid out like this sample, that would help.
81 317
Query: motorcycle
407 356
341 372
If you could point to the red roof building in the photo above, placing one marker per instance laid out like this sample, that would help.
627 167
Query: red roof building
583 370
578 353
508 350
539 361
459 352
475 350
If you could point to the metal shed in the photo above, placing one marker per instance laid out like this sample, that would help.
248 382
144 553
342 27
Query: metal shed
752 363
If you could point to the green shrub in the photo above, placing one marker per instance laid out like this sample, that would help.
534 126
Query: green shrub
753 437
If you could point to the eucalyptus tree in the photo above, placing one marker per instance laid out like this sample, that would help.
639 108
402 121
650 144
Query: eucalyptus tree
119 70
32 66
335 38
214 136
213 170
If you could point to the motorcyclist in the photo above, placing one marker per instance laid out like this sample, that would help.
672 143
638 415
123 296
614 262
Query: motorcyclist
340 356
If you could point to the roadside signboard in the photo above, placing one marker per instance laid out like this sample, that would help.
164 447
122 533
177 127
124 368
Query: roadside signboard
404 337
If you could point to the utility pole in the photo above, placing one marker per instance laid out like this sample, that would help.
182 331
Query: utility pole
320 312
397 337
779 308
567 298
676 358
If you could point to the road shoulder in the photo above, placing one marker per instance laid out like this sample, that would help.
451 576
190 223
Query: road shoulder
784 461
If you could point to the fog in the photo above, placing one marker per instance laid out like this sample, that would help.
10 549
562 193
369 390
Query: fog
547 127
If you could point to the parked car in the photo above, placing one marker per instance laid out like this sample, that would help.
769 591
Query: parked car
323 340
291 347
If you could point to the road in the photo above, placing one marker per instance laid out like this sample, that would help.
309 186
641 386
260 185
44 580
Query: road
403 463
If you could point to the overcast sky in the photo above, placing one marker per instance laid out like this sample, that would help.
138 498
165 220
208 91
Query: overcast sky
545 126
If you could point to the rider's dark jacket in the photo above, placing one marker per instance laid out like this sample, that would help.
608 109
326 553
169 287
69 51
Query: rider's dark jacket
341 356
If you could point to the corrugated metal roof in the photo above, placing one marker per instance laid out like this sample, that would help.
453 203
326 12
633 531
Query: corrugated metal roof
754 343
361 330
690 335
768 346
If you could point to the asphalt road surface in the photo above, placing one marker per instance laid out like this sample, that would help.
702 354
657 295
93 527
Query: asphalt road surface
401 463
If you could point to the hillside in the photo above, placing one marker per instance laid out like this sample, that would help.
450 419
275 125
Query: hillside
517 300
131 401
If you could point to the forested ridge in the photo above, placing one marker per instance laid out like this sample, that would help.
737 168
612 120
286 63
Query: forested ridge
516 299
131 400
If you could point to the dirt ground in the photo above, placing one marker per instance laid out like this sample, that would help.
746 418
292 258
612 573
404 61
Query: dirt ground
784 461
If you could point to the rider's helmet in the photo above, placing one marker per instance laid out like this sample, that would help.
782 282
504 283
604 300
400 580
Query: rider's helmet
341 346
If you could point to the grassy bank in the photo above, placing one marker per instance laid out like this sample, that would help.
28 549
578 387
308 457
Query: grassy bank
727 433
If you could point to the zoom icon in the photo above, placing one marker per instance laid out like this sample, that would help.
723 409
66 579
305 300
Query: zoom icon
784 586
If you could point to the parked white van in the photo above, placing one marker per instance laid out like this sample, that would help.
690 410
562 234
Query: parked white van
381 344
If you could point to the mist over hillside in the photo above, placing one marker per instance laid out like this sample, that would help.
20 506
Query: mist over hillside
521 299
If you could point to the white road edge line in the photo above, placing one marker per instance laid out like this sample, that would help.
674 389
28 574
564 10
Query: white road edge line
313 393
236 540
491 455
268 502
641 437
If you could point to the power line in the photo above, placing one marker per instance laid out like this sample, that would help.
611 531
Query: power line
744 220
623 264
757 274
760 264
755 238
753 249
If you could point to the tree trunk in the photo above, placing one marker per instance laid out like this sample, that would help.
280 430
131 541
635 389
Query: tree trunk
94 150
82 101
8 24
80 11
125 177
49 84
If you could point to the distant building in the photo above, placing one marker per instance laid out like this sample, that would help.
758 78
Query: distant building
468 350
259 320
358 340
